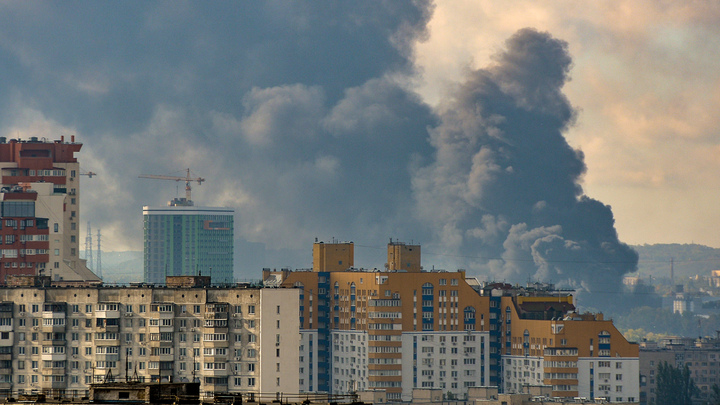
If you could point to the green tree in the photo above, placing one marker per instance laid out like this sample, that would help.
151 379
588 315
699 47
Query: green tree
674 385
715 397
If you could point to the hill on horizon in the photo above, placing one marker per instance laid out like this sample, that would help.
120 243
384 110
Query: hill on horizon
687 260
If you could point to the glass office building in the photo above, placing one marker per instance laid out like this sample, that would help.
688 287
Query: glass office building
184 240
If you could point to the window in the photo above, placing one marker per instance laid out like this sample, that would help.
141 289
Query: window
251 309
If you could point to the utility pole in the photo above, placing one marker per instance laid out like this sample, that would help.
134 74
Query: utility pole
88 248
672 271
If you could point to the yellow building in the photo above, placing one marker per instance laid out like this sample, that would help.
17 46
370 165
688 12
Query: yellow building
405 328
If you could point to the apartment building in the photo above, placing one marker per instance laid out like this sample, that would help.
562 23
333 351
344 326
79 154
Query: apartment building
40 191
702 356
404 328
229 339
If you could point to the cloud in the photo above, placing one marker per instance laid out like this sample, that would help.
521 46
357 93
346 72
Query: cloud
505 182
643 75
303 116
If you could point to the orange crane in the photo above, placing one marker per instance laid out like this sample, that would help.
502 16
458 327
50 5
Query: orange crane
187 179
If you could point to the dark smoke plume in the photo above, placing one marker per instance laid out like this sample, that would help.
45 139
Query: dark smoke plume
503 192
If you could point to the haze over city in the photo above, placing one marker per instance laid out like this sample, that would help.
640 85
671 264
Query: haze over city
497 136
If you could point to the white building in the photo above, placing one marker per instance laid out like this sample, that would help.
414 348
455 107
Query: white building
521 372
614 378
308 360
231 339
350 360
450 361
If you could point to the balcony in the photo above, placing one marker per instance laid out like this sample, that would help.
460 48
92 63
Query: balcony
107 357
107 339
215 343
216 325
7 340
53 371
53 317
215 373
53 356
54 382
6 322
216 311
108 310
54 310
163 310
111 325
54 340
162 357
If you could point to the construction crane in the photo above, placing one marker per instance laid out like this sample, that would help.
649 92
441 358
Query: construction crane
89 174
187 179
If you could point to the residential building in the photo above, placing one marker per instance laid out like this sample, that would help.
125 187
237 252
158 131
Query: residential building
702 356
40 191
182 240
405 328
59 340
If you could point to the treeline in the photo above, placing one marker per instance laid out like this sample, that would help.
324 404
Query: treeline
689 260
649 323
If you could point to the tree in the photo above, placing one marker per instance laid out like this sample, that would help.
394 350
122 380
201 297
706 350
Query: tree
715 398
674 385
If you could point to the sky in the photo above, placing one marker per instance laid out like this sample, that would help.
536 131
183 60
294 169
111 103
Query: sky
518 139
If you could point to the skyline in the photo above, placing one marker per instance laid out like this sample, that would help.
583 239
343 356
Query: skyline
271 104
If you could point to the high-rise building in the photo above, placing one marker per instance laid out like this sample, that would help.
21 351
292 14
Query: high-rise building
40 209
183 240
229 339
405 329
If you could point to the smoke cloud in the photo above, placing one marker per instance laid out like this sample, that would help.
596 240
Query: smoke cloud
504 188
302 116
